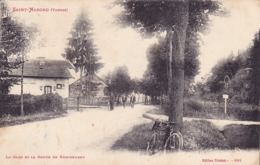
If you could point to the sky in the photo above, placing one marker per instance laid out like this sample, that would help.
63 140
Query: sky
125 46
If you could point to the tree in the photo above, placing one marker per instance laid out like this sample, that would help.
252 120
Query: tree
254 66
157 68
15 41
81 50
158 63
243 72
151 86
225 67
135 85
120 81
180 19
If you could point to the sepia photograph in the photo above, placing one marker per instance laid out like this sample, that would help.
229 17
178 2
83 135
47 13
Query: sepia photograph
123 82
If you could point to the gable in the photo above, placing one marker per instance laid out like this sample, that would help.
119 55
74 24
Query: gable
95 79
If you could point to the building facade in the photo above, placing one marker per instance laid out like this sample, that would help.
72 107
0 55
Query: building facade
41 76
87 94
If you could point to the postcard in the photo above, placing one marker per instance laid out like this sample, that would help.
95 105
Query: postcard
130 82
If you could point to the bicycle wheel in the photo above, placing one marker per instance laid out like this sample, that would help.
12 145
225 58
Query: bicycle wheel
151 145
174 142
181 139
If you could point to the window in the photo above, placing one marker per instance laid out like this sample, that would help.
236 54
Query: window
59 86
47 89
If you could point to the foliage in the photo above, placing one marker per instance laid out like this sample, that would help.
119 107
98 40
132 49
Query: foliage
194 105
157 55
180 20
155 79
243 71
120 81
198 135
202 135
136 85
17 120
244 112
254 64
48 102
242 136
199 108
153 17
81 50
150 85
135 140
10 104
16 40
225 67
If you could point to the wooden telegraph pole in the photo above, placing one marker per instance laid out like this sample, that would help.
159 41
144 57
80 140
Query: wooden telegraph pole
225 95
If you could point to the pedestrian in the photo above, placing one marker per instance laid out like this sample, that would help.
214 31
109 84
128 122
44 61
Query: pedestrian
108 104
132 101
111 101
124 99
145 100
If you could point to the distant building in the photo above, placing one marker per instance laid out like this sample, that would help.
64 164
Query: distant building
96 96
42 76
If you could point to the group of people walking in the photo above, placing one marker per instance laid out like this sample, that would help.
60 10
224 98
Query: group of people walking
123 99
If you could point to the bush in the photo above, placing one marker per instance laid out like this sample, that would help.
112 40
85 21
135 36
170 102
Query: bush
49 102
11 104
192 108
196 108
242 136
243 112
202 135
196 134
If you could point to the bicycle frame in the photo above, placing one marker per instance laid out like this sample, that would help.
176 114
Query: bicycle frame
172 140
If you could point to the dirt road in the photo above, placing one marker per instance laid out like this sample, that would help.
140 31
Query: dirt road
87 135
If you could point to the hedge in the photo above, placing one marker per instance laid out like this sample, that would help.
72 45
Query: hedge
194 108
242 136
11 104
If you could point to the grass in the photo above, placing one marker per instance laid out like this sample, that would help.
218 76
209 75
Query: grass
136 140
242 136
10 120
208 110
197 135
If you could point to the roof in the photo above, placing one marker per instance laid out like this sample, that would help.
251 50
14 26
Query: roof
95 78
43 68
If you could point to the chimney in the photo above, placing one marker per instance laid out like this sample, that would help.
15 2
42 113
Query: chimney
41 61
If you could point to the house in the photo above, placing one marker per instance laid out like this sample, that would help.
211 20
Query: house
97 95
42 76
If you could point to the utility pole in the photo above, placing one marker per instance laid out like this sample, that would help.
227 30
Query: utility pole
225 95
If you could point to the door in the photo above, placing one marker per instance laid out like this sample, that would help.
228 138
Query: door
47 89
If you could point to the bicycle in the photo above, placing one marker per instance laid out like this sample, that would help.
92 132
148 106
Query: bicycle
164 138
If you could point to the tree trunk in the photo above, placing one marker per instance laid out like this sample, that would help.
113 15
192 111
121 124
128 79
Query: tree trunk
22 110
79 99
176 88
170 91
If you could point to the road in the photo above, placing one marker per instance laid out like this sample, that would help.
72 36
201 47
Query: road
88 134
